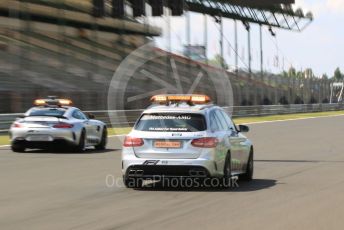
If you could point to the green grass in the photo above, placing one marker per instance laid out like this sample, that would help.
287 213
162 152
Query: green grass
119 131
4 139
285 117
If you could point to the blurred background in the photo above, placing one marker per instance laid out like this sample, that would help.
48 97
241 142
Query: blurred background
72 48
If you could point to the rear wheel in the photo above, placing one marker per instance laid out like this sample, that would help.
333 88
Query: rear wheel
103 141
249 169
82 142
18 148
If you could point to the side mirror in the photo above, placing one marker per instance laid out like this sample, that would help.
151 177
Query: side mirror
91 116
243 128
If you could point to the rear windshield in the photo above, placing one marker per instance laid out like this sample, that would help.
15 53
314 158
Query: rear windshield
53 112
167 122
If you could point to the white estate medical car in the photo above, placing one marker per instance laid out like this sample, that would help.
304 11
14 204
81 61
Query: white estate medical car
54 122
185 136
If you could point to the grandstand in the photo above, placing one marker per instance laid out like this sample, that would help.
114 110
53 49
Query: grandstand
54 49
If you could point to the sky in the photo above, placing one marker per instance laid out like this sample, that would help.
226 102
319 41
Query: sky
320 46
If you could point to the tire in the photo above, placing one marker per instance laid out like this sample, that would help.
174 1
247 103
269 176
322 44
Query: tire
82 142
227 172
248 176
103 141
18 148
132 182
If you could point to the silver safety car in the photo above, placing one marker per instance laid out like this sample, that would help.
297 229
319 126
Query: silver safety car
185 136
56 123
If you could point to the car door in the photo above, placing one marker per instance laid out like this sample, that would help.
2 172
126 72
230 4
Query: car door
239 143
80 117
219 132
244 148
95 131
234 140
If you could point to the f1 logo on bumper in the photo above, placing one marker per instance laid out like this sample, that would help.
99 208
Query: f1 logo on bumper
150 162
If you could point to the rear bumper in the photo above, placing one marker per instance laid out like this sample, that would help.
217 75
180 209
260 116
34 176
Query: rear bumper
56 143
56 136
150 168
170 171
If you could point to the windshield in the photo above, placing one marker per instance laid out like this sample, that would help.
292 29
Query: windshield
167 122
51 112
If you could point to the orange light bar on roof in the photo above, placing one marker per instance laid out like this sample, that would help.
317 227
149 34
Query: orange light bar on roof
52 102
200 99
193 98
39 102
65 102
159 98
179 97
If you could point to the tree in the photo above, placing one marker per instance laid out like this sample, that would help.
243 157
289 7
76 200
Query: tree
218 61
308 73
292 72
299 74
324 76
285 73
338 74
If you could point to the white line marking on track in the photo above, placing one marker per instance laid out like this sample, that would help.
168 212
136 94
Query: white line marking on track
118 135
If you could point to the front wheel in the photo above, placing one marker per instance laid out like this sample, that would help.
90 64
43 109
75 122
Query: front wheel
248 176
227 171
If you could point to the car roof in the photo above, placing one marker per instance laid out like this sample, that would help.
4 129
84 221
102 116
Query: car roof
66 108
52 107
176 108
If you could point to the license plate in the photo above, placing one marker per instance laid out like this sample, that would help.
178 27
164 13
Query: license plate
39 138
167 144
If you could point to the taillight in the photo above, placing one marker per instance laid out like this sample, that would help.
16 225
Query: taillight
205 142
132 142
63 126
17 125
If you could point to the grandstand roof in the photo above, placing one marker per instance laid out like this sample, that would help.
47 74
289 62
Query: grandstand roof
277 15
248 11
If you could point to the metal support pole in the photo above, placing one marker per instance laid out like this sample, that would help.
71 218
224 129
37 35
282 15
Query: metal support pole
221 42
249 49
62 30
205 38
188 32
169 31
261 50
22 27
121 35
319 91
236 47
94 58
145 18
331 87
168 57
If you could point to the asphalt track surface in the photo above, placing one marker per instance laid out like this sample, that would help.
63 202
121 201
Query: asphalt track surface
299 184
